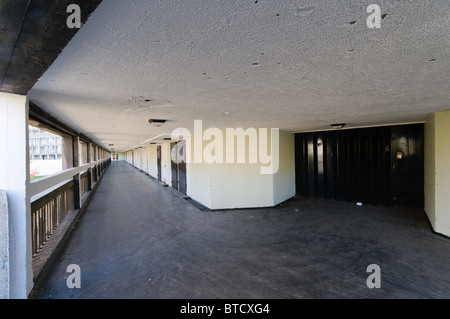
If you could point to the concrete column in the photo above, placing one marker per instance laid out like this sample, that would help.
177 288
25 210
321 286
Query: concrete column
83 157
76 178
4 246
437 171
14 181
67 156
88 155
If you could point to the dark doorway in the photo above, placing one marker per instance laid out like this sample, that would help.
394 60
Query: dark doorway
379 165
158 161
407 165
174 164
178 165
182 185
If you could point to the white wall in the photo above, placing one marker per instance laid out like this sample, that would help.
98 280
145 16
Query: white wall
152 161
199 183
138 158
437 171
146 160
284 179
121 156
229 185
166 173
241 185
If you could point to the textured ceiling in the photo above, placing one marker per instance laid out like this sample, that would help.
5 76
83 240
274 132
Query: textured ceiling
295 65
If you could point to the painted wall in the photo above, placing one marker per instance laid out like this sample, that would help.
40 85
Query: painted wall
146 159
437 171
121 156
284 179
241 185
229 185
199 182
152 161
166 173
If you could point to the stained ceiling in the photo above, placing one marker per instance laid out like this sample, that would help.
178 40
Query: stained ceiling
293 65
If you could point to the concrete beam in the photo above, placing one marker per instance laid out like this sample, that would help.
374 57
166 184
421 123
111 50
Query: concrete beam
34 33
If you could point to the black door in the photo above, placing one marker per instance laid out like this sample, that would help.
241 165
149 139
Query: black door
158 161
174 164
380 165
178 166
407 182
181 152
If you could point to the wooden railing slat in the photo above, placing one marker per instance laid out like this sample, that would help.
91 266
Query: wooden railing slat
49 210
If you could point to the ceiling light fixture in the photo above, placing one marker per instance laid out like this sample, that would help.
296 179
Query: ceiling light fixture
338 125
156 122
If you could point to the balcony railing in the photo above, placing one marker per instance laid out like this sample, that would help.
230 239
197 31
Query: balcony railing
48 212
55 197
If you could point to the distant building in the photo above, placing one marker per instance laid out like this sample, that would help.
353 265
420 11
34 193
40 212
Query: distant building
44 145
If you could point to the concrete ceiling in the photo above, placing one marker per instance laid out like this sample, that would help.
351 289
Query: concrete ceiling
295 65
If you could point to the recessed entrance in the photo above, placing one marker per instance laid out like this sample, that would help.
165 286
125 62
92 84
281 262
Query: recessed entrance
178 165
380 165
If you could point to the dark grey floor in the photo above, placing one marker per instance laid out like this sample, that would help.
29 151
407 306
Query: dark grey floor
138 239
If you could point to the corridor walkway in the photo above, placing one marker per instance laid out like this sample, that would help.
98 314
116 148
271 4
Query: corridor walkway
138 239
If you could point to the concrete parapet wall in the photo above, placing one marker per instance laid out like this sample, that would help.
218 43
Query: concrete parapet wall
4 246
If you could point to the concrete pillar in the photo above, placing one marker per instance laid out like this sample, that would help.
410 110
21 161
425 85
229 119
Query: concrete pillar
88 156
76 178
83 153
437 171
4 246
14 180
67 156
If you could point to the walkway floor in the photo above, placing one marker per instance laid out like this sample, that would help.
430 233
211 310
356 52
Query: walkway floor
138 239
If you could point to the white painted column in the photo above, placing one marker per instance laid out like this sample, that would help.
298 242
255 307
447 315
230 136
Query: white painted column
437 171
15 180
4 246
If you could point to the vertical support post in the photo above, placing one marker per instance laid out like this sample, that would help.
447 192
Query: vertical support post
99 166
95 175
15 181
102 156
67 151
76 178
